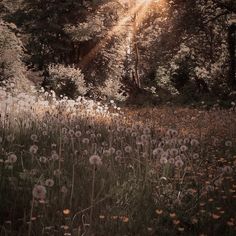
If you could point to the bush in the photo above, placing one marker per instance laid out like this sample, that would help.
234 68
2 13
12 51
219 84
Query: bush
66 81
12 69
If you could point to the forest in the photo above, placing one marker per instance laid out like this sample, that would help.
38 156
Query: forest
117 117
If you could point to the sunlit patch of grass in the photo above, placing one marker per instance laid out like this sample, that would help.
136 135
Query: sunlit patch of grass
88 167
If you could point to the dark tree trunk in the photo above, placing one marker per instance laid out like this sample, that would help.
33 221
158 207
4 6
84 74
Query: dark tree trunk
232 52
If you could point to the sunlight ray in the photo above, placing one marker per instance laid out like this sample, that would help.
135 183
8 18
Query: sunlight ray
140 8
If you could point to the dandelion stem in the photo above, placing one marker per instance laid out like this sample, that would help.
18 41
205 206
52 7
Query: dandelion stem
92 197
72 187
31 215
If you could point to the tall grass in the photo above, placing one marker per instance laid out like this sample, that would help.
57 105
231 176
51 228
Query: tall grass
82 168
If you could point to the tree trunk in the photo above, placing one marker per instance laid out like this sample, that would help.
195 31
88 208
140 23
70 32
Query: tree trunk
232 52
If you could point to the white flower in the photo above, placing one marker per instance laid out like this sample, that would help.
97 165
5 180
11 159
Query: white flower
39 192
95 160
128 149
10 138
194 142
49 182
228 144
78 133
33 149
179 163
157 151
55 156
34 137
183 148
43 159
12 158
85 140
163 160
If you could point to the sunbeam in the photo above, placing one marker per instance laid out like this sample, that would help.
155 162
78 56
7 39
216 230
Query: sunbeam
139 9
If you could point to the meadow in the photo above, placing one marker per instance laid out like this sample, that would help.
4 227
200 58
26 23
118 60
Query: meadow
86 168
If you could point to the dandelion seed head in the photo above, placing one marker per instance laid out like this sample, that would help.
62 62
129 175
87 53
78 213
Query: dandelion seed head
78 134
183 148
33 149
12 158
157 151
43 159
194 142
85 141
128 149
39 192
95 160
163 160
49 182
179 163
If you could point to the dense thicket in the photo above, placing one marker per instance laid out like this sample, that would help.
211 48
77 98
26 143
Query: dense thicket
165 49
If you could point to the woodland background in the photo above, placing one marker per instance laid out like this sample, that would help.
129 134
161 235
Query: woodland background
175 50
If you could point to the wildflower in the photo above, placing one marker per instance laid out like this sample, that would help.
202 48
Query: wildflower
195 156
181 229
163 160
164 155
176 222
78 134
128 149
228 144
12 158
172 215
66 211
95 160
194 142
85 140
71 132
53 145
49 182
157 151
183 148
57 172
215 216
159 212
64 131
10 138
174 152
33 149
34 137
43 159
55 156
118 158
118 152
146 131
227 169
39 192
179 163
171 161
186 140
44 133
106 152
64 189
112 150
172 132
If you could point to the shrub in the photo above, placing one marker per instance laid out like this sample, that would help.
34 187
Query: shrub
12 69
66 81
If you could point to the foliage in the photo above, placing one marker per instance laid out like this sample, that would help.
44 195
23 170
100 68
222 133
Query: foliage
65 81
12 69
